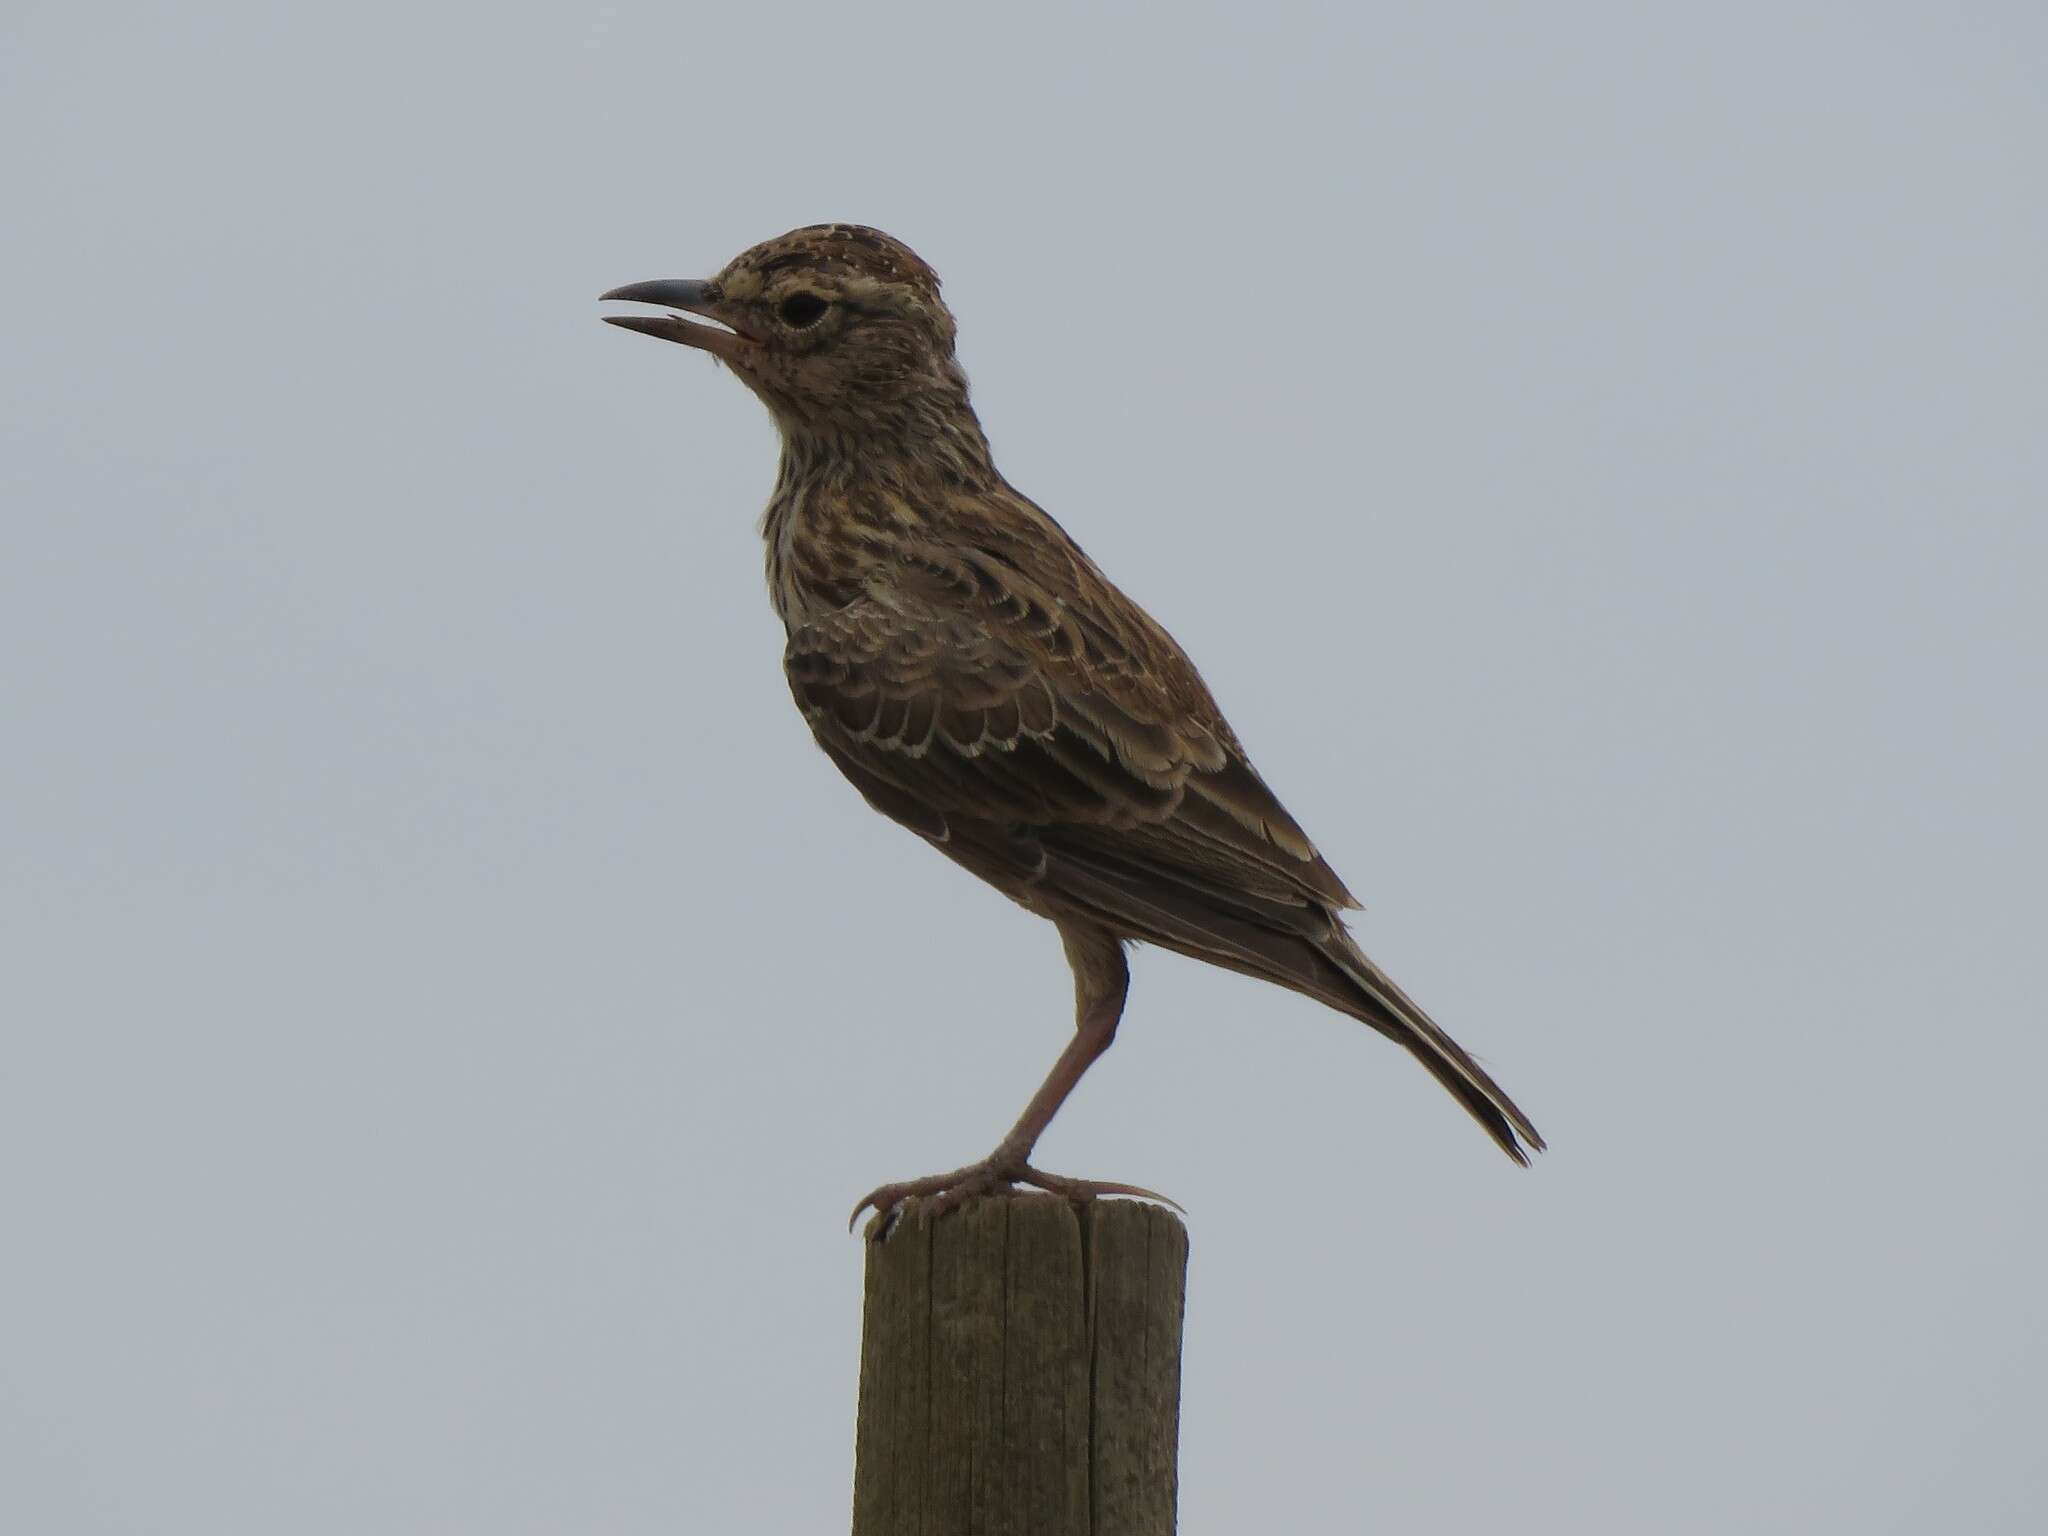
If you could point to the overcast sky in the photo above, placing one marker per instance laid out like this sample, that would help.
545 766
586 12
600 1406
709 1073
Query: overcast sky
1595 454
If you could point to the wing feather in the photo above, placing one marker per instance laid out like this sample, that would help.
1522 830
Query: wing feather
964 681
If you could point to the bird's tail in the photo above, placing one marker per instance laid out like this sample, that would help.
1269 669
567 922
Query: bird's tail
1373 998
1302 946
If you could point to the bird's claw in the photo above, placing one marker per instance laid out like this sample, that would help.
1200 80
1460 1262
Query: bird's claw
941 1192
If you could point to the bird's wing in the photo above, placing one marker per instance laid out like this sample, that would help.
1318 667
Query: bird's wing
1010 682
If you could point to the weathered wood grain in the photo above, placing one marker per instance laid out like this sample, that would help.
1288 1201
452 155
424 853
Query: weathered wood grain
1020 1372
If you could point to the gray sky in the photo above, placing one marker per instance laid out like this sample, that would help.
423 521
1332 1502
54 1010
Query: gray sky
1597 459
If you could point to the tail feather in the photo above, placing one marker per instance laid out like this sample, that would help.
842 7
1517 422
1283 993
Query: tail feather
1302 947
1396 1015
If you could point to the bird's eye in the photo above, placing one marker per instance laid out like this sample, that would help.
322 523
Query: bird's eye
802 309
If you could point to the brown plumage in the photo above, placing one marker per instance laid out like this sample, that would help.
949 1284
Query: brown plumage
981 682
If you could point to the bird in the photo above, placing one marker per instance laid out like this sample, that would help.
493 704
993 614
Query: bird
983 684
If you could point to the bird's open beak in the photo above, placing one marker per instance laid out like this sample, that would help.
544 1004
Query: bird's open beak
679 293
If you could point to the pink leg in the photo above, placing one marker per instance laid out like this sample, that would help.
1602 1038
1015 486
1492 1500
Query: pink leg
1101 980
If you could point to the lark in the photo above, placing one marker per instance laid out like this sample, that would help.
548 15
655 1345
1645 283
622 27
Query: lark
982 683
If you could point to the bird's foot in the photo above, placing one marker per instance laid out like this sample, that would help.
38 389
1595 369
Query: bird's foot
940 1192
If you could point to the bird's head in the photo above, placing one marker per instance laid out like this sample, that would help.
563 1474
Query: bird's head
837 327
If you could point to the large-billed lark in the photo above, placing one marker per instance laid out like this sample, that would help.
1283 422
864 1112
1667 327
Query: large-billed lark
982 683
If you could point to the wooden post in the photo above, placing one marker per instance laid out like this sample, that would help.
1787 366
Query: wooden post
1020 1371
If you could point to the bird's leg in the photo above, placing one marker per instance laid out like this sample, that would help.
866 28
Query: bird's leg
1101 981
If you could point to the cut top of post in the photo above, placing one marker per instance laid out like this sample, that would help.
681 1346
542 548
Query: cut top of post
1020 1371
